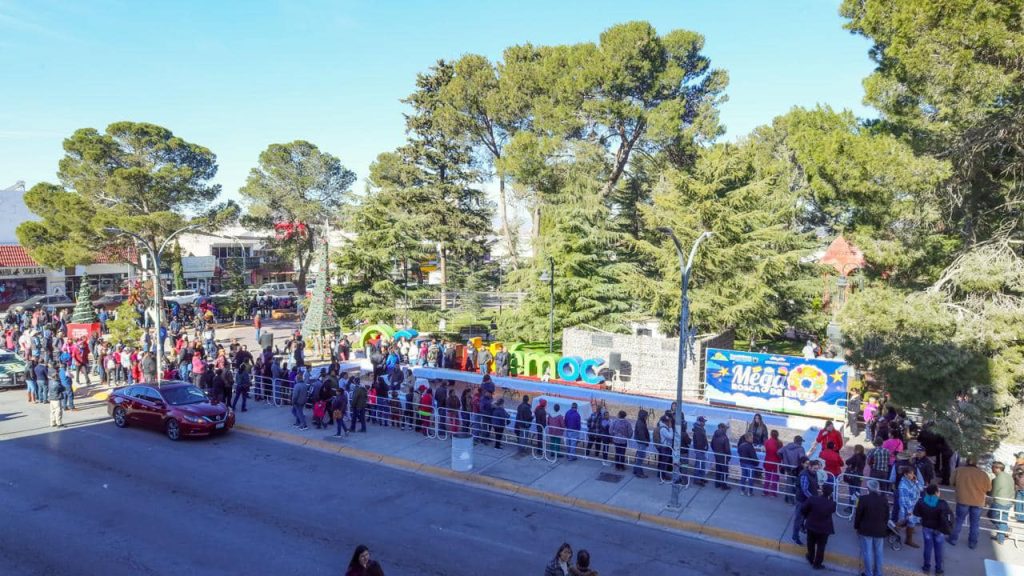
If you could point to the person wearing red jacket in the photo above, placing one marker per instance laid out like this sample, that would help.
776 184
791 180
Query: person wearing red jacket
826 435
136 371
426 408
833 461
772 459
80 355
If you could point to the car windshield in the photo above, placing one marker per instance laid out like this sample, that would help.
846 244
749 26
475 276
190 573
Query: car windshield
4 358
184 395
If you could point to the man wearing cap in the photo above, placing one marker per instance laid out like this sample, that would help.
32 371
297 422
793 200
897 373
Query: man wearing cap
924 465
870 520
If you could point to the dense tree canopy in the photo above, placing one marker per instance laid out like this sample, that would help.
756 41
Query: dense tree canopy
136 176
938 330
296 183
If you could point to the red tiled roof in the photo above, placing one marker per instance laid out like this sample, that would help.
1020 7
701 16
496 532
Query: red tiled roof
844 256
15 256
117 255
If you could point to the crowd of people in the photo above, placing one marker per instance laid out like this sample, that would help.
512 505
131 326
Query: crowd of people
893 487
890 488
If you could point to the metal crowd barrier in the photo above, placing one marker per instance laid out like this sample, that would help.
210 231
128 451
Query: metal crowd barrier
548 443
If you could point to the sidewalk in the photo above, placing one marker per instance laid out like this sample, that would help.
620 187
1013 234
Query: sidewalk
585 484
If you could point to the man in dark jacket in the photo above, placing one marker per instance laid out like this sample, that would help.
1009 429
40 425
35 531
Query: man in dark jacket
573 424
870 520
700 451
524 415
359 399
42 378
817 512
502 360
338 408
499 419
923 464
642 437
749 463
55 393
806 486
540 419
722 448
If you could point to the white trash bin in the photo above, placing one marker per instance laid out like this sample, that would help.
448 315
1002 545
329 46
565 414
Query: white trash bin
462 452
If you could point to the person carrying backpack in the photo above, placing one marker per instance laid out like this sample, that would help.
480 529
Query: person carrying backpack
936 523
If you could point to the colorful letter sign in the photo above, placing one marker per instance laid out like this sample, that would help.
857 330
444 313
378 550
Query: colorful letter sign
809 387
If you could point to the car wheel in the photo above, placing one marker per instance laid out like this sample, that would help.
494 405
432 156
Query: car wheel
120 417
173 430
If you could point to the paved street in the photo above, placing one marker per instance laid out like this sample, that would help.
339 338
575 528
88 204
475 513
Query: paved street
92 499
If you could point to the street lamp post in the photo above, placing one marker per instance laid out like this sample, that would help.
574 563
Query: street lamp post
684 345
550 278
154 255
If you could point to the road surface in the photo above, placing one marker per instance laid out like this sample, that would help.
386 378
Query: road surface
93 499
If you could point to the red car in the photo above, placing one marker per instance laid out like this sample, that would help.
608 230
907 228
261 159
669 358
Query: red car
178 408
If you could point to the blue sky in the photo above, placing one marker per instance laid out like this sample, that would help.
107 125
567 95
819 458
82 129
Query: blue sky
237 76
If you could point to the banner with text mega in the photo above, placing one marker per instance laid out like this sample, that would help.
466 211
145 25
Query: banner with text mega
808 387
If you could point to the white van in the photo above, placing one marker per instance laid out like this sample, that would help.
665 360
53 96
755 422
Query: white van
280 289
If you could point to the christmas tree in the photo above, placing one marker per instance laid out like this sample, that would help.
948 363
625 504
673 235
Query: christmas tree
84 312
320 319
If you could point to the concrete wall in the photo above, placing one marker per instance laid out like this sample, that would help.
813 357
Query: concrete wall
648 364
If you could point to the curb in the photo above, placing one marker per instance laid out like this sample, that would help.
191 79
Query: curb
842 561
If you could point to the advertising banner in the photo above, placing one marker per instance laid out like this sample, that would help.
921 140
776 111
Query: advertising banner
807 387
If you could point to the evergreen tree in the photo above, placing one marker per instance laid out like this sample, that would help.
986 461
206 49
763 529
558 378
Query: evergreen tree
237 304
135 176
434 176
124 327
84 313
320 317
590 280
301 186
383 234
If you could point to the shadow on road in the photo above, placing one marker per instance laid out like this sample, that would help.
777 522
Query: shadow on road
11 415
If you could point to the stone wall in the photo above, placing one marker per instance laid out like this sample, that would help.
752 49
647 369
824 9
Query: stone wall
648 363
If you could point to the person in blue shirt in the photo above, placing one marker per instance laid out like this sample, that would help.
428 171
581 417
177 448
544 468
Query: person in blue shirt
68 398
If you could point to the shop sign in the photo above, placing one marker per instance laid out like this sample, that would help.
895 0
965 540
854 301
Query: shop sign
22 272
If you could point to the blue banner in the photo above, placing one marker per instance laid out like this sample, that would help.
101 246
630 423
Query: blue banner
805 386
